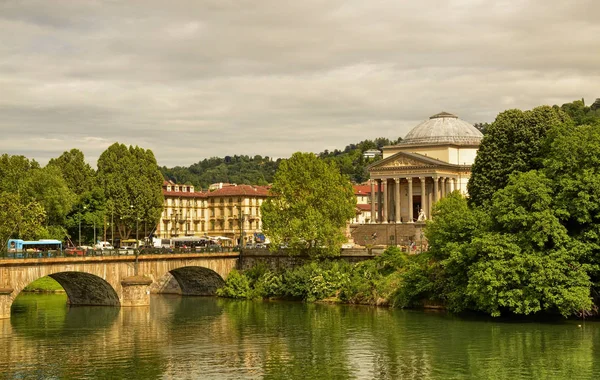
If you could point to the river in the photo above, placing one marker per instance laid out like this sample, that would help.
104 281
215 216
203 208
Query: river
210 338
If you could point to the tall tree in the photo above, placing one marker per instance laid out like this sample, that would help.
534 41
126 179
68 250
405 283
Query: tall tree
19 219
78 174
47 187
132 184
311 205
14 171
513 143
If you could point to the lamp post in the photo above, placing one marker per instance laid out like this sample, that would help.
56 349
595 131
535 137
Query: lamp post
112 225
137 242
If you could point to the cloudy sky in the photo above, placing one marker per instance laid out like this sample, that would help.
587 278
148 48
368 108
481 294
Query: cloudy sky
203 78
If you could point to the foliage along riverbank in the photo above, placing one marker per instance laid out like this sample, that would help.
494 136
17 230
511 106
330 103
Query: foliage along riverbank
373 282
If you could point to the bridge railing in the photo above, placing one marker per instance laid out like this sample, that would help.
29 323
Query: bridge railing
76 252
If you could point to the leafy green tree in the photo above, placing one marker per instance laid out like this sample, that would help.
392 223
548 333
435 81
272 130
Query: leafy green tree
581 114
47 187
528 263
14 171
573 166
311 205
19 219
78 174
132 184
515 142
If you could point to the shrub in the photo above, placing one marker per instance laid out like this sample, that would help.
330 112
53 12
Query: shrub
236 286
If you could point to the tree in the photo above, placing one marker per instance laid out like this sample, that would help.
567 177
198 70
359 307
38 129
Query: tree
514 255
515 142
573 166
527 262
14 171
18 219
311 205
132 184
78 174
47 187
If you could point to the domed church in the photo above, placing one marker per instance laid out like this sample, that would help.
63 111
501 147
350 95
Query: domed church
433 160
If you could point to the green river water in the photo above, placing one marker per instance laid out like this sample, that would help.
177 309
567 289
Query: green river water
210 338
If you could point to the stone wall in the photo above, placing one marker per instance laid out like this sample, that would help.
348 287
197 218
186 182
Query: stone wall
281 260
387 234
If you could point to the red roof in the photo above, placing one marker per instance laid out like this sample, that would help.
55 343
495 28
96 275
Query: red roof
363 189
364 207
243 190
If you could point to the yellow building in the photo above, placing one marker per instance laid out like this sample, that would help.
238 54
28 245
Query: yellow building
227 211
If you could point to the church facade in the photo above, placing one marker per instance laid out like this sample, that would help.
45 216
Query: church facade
433 160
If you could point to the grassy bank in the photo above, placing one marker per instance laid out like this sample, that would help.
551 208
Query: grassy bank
44 285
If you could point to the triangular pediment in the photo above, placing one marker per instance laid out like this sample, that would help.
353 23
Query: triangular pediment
405 160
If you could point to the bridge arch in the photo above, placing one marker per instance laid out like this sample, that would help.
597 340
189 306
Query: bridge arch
197 281
87 289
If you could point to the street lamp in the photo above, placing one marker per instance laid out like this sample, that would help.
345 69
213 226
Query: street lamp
112 225
137 243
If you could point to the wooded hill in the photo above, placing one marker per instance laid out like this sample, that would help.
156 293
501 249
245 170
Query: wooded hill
259 170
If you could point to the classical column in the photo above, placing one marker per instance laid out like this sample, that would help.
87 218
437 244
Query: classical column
386 204
410 200
372 201
436 189
397 194
443 180
454 187
379 199
423 193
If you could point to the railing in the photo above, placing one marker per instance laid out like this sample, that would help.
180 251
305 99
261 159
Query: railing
112 252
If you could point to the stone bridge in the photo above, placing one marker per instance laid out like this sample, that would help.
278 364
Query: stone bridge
117 280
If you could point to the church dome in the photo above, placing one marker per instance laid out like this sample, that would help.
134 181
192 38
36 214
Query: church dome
443 128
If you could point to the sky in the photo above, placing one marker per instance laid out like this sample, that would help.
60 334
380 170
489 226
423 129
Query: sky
197 79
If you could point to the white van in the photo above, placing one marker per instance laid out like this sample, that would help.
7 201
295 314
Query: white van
103 245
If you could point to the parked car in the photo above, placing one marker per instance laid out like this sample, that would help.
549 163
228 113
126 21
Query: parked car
74 251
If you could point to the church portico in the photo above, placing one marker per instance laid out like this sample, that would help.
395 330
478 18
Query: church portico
403 198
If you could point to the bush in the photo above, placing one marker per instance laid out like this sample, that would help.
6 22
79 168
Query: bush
236 286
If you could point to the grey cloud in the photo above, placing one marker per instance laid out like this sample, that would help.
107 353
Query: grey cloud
209 78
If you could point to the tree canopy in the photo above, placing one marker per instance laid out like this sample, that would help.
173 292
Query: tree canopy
311 205
132 184
513 143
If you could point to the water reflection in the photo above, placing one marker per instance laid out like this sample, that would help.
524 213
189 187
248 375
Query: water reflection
196 337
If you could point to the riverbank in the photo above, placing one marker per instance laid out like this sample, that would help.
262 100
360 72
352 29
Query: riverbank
44 285
375 282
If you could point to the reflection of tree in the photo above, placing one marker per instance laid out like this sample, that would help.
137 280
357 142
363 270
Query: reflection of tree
80 342
49 316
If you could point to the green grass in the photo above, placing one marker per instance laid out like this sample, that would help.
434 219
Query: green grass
44 284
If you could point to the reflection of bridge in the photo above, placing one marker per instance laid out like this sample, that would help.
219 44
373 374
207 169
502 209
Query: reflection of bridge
111 280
